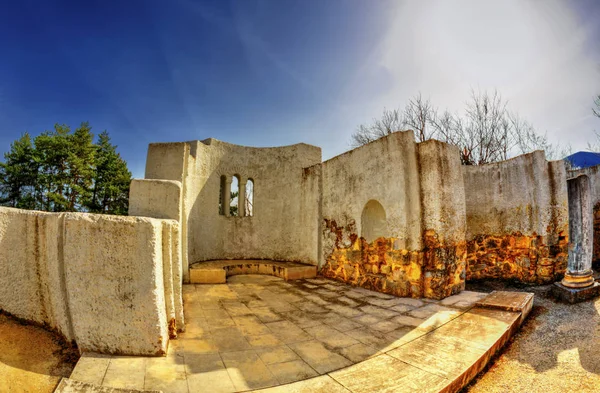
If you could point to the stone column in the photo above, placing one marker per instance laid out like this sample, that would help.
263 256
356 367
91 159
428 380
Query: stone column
581 234
227 196
242 197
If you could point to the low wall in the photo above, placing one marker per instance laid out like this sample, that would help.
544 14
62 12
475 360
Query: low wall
161 199
517 219
111 284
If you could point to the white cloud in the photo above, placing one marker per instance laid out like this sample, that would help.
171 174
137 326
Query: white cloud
534 53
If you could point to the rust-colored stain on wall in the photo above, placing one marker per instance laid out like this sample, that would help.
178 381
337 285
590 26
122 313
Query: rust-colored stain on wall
527 259
437 271
440 270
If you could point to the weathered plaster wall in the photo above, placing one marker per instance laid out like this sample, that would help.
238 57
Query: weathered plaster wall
285 222
421 251
443 218
517 219
98 280
386 171
394 215
160 199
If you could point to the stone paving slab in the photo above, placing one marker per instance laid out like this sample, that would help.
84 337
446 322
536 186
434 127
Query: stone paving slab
265 334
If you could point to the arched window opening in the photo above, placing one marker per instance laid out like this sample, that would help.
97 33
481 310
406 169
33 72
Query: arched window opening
234 197
222 195
373 221
249 200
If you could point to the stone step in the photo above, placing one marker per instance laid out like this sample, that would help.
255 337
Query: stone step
509 301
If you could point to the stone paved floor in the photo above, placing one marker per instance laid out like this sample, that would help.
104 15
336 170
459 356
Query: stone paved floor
259 331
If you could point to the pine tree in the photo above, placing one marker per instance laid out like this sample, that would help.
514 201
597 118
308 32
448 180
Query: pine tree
80 166
52 152
62 170
110 192
18 175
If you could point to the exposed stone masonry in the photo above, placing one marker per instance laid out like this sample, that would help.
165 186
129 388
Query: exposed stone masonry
435 272
517 257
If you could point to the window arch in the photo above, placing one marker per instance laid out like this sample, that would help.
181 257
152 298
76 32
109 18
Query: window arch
234 208
236 196
249 200
373 221
222 195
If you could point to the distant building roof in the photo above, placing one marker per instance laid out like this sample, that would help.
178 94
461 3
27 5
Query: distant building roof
584 159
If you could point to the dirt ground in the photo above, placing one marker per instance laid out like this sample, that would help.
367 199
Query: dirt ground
556 350
32 359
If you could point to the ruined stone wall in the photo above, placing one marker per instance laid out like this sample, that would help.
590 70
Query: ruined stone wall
108 283
285 219
420 249
517 219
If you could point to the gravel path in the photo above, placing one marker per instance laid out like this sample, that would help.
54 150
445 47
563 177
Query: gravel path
557 349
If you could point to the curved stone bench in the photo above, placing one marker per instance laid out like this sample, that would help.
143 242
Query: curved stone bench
216 272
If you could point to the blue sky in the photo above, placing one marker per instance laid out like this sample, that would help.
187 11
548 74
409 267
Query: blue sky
268 73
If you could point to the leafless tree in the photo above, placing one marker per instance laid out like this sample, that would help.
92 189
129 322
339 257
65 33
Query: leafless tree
487 132
417 115
595 146
391 121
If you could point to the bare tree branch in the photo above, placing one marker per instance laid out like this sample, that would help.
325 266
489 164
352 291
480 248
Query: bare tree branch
486 133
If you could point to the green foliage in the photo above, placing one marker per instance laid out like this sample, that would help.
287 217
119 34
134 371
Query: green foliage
18 175
110 192
62 170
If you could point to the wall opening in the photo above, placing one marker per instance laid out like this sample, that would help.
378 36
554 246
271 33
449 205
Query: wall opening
249 200
222 196
234 197
373 221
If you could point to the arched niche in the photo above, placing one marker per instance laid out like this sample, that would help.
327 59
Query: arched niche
373 221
